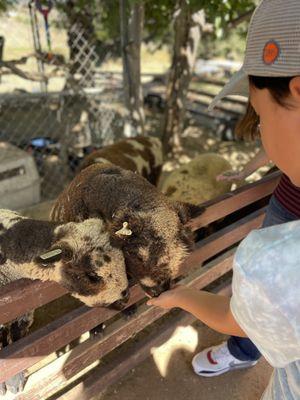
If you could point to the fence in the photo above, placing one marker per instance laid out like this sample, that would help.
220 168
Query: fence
57 103
202 90
54 380
54 101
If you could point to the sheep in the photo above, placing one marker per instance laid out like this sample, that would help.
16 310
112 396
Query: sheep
141 154
195 182
140 220
78 256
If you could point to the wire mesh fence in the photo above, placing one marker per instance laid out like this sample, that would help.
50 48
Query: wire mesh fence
55 103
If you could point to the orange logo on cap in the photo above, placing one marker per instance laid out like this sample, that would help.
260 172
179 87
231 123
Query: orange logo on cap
271 52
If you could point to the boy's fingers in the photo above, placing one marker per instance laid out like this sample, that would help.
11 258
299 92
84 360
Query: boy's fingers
153 302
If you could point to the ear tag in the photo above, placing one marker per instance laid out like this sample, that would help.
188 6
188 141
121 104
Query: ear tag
51 255
124 231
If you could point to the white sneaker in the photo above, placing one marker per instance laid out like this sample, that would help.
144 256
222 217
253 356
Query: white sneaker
217 360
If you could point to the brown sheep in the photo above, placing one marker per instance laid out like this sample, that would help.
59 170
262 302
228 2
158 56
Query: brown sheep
140 220
141 154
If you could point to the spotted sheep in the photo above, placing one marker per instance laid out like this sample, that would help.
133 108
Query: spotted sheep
141 154
140 220
78 256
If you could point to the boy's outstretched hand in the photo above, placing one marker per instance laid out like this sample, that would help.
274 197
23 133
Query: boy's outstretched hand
212 309
168 299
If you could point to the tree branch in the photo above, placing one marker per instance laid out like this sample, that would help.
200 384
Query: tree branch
241 18
25 75
22 74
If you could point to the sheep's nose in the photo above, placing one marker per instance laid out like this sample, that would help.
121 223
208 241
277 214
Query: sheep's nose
155 291
125 294
120 304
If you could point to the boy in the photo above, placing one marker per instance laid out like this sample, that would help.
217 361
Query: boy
266 300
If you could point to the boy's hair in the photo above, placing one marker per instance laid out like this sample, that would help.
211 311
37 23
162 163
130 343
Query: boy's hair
279 87
247 127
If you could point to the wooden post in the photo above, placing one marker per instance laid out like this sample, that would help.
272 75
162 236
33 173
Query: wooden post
131 26
187 29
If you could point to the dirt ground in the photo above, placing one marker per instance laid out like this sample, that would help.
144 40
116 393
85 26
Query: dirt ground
167 374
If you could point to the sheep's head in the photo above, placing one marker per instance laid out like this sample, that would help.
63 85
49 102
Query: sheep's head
82 260
154 243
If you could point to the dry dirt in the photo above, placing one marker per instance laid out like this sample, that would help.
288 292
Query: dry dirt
169 375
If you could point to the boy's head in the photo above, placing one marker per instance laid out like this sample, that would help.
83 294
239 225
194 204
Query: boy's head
276 101
270 76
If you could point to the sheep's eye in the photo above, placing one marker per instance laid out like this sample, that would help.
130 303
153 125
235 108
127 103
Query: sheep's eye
67 254
93 277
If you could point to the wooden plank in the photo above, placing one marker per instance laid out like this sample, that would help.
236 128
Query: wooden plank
55 375
24 295
222 239
202 92
226 204
123 363
210 81
31 349
232 113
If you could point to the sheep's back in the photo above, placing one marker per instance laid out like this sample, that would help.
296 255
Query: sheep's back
142 155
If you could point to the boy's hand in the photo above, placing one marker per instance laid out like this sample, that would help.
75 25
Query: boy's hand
169 299
231 176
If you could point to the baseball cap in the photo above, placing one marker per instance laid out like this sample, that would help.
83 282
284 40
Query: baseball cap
272 49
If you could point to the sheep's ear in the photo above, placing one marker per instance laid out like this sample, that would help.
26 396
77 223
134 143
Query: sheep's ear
50 257
187 211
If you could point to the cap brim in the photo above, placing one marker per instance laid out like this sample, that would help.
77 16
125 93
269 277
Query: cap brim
238 85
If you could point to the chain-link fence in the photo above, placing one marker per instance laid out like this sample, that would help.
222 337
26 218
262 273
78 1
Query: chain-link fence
56 104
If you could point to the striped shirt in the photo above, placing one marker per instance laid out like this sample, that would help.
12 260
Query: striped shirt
288 195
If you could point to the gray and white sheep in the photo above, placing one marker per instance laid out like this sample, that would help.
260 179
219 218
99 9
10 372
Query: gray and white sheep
78 256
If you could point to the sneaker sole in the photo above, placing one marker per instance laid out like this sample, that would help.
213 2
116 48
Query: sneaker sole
223 371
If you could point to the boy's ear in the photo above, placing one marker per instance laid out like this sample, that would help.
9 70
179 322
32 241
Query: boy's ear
295 88
187 211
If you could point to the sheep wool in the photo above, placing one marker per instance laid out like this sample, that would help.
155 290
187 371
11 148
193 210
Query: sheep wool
195 182
140 220
141 154
76 255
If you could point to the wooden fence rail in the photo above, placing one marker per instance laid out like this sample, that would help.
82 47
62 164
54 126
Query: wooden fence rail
22 296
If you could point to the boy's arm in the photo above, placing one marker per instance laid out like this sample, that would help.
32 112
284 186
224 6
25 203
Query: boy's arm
256 162
212 309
